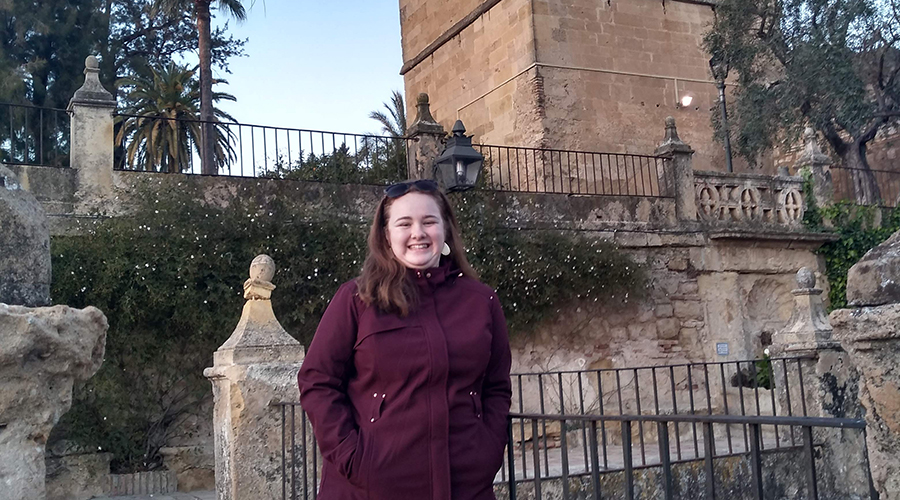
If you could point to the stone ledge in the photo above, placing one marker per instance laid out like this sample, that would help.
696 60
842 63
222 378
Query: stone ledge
804 237
866 324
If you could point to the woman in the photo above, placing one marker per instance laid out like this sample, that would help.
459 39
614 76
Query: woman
406 382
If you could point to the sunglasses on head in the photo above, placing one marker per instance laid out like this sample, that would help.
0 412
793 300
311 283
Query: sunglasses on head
401 188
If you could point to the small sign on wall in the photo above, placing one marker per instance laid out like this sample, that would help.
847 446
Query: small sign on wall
722 348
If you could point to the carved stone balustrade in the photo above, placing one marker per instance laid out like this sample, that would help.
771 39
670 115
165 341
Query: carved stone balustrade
748 200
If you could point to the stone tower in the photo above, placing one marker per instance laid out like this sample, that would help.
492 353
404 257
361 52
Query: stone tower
597 75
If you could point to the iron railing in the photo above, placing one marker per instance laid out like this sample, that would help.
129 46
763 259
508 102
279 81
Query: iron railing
866 186
561 171
161 144
565 423
31 135
744 388
600 458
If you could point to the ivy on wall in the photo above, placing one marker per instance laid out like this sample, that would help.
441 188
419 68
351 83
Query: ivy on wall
859 228
169 278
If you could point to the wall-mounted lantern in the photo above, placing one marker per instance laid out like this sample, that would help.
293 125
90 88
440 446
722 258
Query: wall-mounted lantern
460 164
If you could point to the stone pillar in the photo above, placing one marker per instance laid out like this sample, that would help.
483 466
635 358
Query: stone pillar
819 165
428 141
91 141
256 367
870 335
679 160
828 390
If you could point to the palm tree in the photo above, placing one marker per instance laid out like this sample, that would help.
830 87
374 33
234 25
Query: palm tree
202 13
159 129
387 158
394 122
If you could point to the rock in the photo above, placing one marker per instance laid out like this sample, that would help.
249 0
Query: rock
77 476
24 245
871 338
43 353
875 279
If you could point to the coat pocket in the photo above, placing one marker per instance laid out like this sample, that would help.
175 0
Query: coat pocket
476 403
377 406
361 459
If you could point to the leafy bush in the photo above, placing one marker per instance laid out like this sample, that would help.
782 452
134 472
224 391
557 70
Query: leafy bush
169 275
858 230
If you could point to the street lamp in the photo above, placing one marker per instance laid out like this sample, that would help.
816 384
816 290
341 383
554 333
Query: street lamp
459 165
719 69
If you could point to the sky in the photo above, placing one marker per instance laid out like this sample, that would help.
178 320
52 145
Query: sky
315 65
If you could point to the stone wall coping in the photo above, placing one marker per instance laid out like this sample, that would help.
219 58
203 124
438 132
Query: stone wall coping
748 176
809 237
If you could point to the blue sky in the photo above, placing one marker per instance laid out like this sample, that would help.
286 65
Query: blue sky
315 65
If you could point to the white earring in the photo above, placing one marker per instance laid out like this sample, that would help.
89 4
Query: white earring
446 250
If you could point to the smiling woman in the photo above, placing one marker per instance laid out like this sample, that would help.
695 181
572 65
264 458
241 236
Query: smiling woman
406 381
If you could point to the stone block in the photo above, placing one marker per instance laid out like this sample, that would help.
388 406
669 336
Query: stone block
678 264
642 331
664 311
688 287
688 309
689 336
667 328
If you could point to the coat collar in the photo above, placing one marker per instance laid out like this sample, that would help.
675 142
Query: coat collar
446 270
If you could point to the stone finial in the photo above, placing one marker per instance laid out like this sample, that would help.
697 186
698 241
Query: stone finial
258 331
424 122
259 286
423 109
92 92
671 142
808 330
806 279
812 154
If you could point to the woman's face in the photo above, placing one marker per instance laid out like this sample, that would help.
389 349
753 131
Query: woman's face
415 230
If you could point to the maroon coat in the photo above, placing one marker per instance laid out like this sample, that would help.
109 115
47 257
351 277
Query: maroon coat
410 408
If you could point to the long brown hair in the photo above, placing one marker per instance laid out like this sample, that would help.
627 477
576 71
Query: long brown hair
384 281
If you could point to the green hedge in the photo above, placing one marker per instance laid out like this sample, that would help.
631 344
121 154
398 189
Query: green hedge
169 278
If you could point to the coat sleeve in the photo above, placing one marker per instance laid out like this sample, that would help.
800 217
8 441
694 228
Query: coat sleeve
497 388
323 381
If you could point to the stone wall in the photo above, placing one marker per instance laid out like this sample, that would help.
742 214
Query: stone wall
485 76
569 74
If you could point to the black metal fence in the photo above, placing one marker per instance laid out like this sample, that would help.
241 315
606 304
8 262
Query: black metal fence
160 144
31 135
744 388
591 422
866 186
598 458
576 172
